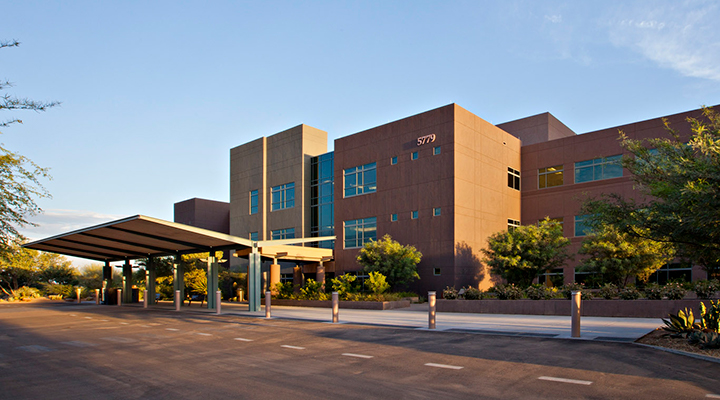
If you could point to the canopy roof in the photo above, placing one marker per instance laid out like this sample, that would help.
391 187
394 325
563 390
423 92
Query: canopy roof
137 237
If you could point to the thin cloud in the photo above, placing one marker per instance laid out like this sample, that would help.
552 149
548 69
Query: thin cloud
681 36
54 222
555 19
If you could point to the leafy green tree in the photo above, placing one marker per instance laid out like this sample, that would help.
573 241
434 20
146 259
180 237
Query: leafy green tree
620 257
377 283
344 285
20 176
681 184
25 267
91 276
519 255
392 259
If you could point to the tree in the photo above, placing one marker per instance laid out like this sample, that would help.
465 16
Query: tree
619 257
681 184
519 255
25 267
19 176
392 259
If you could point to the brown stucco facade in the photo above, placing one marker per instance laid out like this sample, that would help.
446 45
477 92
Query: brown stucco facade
443 183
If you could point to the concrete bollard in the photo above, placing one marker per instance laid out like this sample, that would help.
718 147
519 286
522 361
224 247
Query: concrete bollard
431 310
576 307
97 297
177 300
268 296
335 307
119 294
78 295
240 295
145 299
218 297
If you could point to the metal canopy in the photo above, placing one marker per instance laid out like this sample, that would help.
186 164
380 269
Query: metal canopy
137 237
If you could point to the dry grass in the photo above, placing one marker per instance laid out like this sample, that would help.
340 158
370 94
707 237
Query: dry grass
661 338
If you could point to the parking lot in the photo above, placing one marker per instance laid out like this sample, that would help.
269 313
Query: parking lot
63 350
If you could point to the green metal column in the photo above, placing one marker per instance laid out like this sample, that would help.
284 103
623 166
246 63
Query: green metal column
212 280
254 287
127 282
179 277
150 275
107 281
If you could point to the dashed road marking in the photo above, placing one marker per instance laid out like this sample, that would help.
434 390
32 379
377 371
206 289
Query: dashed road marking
124 323
154 324
292 347
203 334
243 339
356 355
444 366
73 315
104 320
712 396
87 317
564 380
172 329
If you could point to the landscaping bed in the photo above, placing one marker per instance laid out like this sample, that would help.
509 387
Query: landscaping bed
662 338
353 305
589 308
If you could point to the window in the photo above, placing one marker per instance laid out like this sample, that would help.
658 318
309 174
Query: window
393 161
552 278
414 214
581 229
513 178
512 224
436 271
672 272
393 217
414 155
598 168
550 176
322 204
436 150
253 202
360 231
287 233
283 196
254 236
284 278
360 180
436 211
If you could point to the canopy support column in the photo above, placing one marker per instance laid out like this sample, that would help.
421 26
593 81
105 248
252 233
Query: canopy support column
179 277
212 280
150 276
254 286
107 280
127 282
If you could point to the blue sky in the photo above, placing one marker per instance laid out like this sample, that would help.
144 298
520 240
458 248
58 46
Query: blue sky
154 94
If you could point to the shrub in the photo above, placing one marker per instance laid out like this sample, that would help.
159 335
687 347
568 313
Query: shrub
472 293
629 293
538 292
24 293
284 290
567 289
653 291
710 317
681 324
674 291
608 291
508 292
313 291
55 289
344 285
706 289
450 293
706 340
376 283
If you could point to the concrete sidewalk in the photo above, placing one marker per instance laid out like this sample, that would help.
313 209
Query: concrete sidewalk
416 317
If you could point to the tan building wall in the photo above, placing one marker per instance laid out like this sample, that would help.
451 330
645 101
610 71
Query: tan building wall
268 162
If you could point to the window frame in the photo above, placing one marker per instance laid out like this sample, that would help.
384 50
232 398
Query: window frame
282 233
437 211
513 178
256 195
393 160
285 201
414 155
602 164
414 214
437 150
362 185
361 225
393 217
544 173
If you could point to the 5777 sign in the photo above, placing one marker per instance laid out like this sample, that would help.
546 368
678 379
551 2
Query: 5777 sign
425 139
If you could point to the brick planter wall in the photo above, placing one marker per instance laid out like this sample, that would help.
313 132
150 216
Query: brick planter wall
352 305
589 308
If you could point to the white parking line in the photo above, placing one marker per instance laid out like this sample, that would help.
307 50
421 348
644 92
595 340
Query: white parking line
88 317
356 355
172 329
203 334
444 366
564 380
124 323
243 339
292 347
712 396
